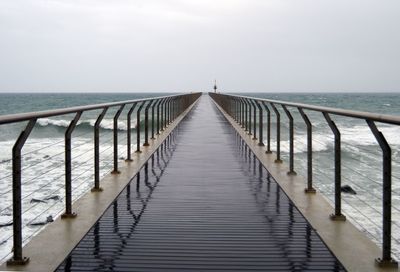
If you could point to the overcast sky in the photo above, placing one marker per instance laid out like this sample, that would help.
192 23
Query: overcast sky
183 45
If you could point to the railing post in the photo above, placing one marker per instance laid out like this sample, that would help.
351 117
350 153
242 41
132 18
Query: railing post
115 132
17 258
278 134
261 124
254 119
242 115
170 110
291 141
386 260
236 105
97 187
173 107
146 123
268 128
338 176
68 168
158 115
129 132
249 120
246 115
170 106
153 118
162 114
310 188
138 127
167 107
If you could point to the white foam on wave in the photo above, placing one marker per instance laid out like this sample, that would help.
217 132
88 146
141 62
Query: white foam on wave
351 138
105 123
46 121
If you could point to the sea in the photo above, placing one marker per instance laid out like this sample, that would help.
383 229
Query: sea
43 155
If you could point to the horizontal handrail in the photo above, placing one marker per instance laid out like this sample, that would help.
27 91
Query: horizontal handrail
383 118
20 117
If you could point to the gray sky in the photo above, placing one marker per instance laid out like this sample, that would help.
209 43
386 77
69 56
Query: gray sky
182 45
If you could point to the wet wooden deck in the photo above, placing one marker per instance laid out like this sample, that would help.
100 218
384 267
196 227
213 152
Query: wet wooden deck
203 202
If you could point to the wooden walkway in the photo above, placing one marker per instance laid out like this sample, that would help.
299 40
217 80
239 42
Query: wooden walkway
203 202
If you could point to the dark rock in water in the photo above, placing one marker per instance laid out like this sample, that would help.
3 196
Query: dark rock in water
56 197
49 219
35 200
6 224
348 190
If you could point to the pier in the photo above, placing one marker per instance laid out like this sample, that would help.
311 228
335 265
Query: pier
202 193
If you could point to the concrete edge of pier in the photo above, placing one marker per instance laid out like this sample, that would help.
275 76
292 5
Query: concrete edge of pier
351 246
52 245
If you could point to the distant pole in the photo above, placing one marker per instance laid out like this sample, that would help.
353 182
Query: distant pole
215 86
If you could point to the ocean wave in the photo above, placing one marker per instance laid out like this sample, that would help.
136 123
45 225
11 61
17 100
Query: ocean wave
351 138
107 124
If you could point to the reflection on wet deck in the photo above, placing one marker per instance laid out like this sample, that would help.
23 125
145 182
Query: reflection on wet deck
202 202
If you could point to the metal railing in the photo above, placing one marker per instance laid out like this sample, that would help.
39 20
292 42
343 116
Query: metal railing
164 110
241 109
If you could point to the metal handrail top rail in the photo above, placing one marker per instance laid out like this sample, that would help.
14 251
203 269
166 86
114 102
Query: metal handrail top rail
20 117
383 118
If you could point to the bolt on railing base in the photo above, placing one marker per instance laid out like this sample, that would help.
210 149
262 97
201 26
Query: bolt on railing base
94 190
128 160
153 138
254 138
68 215
23 261
291 173
138 151
268 152
310 190
115 172
146 144
278 161
386 263
337 217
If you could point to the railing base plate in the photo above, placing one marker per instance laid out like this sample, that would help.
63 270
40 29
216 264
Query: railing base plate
386 263
310 190
96 190
335 217
291 173
68 215
115 172
13 262
278 161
